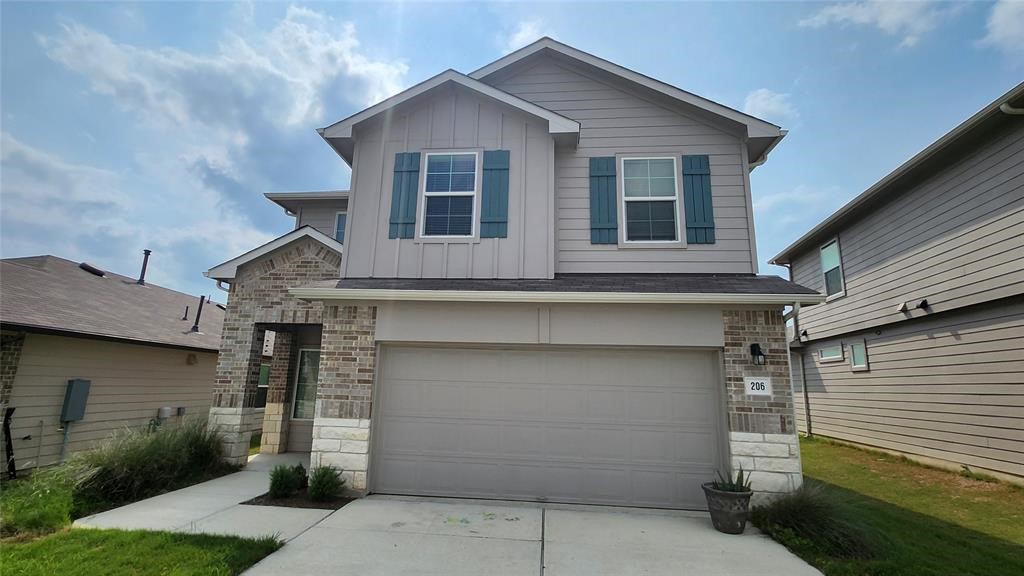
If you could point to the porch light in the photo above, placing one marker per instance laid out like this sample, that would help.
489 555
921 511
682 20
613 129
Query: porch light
756 354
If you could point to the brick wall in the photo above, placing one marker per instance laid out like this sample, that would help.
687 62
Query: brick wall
259 297
348 363
276 412
10 356
762 434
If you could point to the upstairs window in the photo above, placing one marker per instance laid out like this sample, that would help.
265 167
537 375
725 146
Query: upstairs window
650 196
339 226
832 269
449 192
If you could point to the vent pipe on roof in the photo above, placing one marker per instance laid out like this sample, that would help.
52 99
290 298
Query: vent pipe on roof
185 317
199 312
145 262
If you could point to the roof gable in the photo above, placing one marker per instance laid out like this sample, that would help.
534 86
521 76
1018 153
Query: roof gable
226 271
339 134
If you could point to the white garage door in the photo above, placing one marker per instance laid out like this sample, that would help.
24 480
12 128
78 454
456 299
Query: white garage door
597 426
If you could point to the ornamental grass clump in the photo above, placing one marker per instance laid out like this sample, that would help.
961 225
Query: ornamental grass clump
809 519
285 481
138 463
325 483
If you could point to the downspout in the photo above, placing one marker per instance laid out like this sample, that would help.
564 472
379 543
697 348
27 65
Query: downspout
807 397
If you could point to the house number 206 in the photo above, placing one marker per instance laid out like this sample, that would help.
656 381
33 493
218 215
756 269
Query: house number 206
758 386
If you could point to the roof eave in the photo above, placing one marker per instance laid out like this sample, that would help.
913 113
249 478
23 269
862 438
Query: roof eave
950 138
495 296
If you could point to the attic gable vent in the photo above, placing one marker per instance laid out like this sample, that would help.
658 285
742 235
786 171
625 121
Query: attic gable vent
92 269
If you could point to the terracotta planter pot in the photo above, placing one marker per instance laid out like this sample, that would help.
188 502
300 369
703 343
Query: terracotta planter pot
729 510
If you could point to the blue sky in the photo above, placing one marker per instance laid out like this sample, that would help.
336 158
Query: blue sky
160 125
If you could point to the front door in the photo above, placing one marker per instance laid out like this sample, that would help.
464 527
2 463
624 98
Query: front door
300 429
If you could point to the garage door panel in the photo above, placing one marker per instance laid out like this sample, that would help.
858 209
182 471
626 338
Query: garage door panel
625 427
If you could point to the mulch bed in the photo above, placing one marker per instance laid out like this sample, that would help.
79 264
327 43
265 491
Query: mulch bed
299 500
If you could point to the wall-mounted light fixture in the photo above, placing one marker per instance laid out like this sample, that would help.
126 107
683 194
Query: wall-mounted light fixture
923 305
756 354
803 335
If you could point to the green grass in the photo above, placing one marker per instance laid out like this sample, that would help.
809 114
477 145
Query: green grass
255 441
918 520
88 552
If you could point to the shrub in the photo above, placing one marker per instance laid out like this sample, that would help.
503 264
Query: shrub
284 481
134 464
300 474
37 504
325 483
810 518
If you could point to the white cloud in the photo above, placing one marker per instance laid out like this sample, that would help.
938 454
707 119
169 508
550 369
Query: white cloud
1005 29
769 105
219 127
907 20
81 212
525 32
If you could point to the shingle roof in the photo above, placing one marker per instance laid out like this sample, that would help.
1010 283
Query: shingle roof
48 293
635 283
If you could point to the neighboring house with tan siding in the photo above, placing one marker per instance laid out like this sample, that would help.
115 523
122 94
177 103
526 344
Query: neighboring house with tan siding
132 342
918 348
541 286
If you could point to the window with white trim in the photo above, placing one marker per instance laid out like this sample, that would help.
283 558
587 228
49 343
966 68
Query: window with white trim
832 269
650 198
339 226
831 353
859 356
449 194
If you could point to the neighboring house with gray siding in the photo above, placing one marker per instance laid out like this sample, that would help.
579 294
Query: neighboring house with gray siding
132 342
917 349
542 285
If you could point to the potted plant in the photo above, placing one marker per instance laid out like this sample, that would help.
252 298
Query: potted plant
729 502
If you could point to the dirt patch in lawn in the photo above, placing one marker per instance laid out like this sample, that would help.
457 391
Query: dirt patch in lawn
299 500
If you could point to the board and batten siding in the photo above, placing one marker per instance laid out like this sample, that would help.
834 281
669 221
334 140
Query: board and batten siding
956 239
453 118
949 388
320 214
614 121
129 383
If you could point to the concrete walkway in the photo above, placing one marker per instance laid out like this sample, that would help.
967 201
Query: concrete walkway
383 535
213 507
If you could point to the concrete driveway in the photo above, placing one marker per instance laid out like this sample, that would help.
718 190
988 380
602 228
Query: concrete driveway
390 535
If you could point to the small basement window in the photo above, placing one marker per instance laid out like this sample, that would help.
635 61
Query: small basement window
832 270
859 356
650 197
831 353
449 192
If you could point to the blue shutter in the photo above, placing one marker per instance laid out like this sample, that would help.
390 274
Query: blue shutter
700 217
403 195
604 226
494 196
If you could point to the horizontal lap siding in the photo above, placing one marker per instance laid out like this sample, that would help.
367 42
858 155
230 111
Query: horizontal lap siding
320 214
949 387
614 121
956 240
129 383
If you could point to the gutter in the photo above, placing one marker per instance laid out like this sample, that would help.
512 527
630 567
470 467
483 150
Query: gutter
363 294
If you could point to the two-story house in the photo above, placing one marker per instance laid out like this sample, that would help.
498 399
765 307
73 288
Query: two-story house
542 285
918 347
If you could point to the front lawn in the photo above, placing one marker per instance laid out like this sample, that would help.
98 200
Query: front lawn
919 520
87 552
